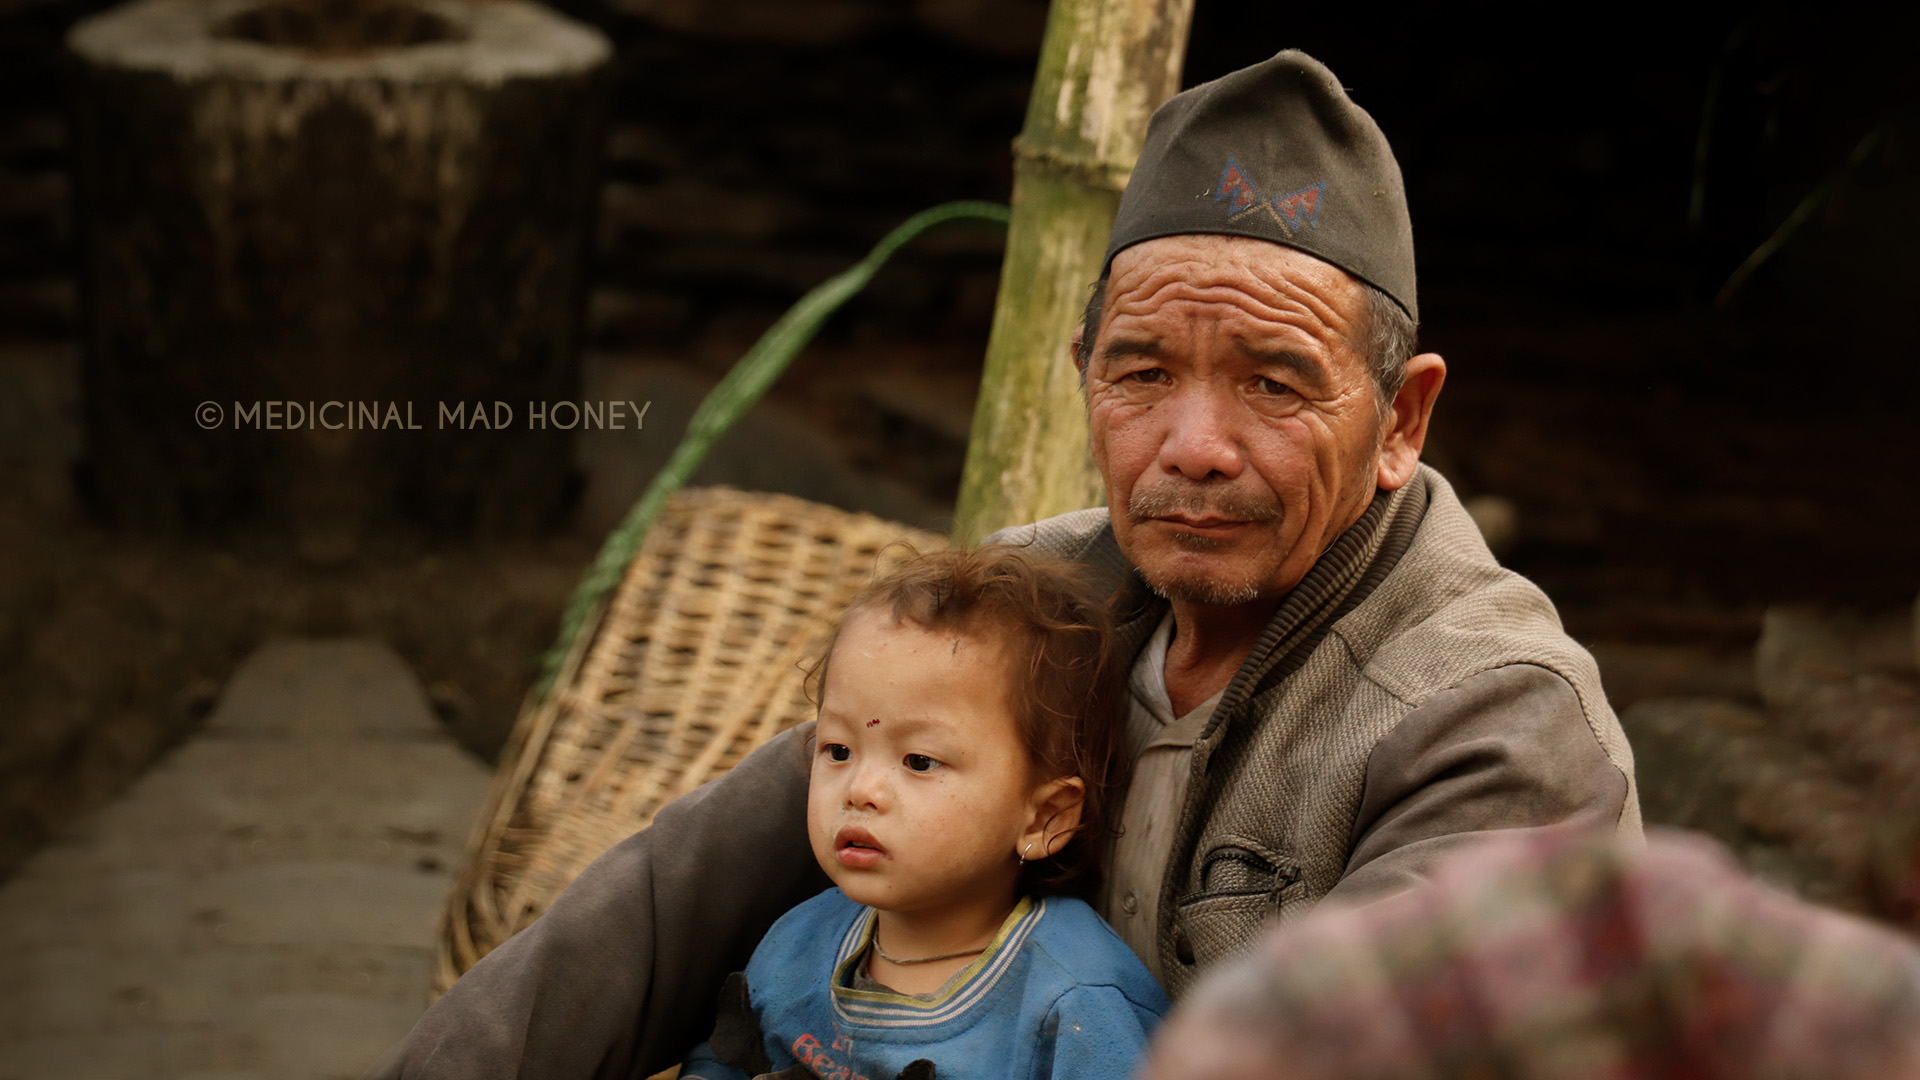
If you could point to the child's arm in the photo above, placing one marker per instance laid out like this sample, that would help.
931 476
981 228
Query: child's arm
1099 1035
702 1065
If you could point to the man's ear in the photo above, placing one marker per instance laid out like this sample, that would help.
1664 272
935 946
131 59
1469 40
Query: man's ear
1055 818
1074 353
1406 430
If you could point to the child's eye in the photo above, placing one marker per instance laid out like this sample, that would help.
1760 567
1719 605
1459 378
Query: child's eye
920 762
836 751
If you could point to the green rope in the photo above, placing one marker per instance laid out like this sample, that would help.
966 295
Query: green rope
743 386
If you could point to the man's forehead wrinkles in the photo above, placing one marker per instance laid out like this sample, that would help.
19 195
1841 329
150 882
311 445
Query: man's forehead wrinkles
1262 295
1176 292
1255 326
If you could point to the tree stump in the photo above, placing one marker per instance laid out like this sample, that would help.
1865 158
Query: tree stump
380 203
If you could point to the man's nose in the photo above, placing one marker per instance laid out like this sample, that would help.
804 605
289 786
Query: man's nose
1199 441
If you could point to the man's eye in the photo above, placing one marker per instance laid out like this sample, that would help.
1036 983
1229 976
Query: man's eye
920 762
836 751
1273 386
1148 375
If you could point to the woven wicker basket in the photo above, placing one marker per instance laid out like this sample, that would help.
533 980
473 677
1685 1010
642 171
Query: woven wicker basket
695 663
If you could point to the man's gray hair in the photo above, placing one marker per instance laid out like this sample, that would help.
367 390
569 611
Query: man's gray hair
1392 335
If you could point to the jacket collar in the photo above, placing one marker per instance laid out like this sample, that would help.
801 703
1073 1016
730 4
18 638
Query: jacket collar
1351 568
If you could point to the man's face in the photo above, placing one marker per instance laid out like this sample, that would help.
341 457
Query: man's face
1232 417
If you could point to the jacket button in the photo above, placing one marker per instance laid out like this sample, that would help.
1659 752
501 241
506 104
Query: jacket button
1130 904
1182 948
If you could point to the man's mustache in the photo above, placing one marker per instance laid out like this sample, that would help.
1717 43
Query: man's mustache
1202 501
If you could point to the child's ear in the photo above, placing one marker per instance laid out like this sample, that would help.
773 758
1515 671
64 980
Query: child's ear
1055 818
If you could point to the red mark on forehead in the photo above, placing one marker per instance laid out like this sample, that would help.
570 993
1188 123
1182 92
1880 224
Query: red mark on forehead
875 722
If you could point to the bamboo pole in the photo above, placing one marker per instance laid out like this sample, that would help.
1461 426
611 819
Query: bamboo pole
1105 65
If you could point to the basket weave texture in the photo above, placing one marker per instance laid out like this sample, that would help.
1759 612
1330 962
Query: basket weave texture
695 662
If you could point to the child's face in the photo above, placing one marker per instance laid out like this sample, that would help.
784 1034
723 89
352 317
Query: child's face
921 795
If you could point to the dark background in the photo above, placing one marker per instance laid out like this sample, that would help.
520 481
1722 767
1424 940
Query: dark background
1676 465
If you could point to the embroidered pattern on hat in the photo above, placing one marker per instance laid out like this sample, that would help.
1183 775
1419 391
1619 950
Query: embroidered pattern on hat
1291 211
1301 207
1237 191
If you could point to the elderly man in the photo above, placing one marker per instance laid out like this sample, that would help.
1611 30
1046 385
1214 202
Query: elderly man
1335 683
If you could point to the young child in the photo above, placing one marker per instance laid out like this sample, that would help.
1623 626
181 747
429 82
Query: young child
969 712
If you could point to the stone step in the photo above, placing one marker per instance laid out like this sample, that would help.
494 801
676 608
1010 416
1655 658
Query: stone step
264 903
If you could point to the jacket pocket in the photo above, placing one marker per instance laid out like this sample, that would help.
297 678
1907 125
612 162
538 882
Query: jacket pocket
1243 885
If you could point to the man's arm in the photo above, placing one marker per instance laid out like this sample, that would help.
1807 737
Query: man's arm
1508 748
619 978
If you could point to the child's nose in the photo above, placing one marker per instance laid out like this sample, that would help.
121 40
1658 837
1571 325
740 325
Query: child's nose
867 786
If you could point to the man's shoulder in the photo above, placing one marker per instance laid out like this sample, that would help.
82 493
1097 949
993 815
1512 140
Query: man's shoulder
1449 610
1067 535
1082 536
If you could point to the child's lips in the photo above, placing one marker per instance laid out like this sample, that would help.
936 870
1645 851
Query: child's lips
857 849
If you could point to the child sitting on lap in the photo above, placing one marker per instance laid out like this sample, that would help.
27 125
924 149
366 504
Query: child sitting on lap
969 711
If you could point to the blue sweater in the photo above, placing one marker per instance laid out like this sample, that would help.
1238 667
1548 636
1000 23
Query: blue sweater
1057 995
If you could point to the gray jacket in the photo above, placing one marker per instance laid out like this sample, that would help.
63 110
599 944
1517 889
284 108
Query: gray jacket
1408 694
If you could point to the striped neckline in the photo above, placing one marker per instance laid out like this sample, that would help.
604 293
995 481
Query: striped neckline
886 1009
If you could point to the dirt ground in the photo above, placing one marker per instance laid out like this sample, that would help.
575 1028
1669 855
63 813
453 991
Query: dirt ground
115 646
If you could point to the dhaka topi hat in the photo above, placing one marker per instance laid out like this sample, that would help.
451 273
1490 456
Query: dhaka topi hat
1276 151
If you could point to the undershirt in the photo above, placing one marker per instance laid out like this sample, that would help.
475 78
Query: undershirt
861 978
1162 749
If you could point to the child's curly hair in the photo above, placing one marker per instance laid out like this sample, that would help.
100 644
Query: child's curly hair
1067 685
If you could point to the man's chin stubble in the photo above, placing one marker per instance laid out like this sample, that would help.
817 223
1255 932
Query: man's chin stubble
1210 591
1206 593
